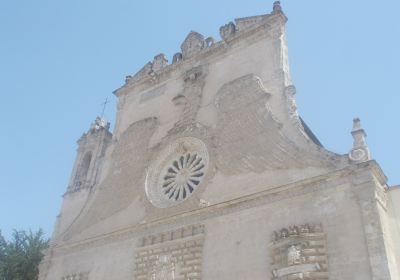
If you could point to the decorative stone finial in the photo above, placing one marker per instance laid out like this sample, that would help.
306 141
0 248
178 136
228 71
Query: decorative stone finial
159 62
177 57
193 44
277 7
227 31
360 151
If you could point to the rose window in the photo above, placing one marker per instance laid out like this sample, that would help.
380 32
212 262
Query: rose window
177 172
183 176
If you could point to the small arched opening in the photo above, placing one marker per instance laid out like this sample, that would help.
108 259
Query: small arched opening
84 168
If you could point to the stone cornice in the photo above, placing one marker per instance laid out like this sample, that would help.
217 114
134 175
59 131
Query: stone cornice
376 171
253 34
272 195
394 188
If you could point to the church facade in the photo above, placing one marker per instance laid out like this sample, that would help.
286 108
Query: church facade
210 173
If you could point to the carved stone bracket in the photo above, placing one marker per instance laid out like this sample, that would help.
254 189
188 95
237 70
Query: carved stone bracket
159 62
299 252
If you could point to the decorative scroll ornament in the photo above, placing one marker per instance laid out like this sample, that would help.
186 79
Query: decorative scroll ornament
298 252
177 173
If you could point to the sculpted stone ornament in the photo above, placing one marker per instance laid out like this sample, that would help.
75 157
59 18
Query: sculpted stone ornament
227 31
159 62
193 44
277 8
176 58
360 151
193 74
298 252
210 41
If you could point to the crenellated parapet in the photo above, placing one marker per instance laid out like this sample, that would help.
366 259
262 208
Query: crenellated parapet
197 45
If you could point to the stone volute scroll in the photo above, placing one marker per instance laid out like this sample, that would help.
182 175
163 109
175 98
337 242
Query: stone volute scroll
360 151
299 252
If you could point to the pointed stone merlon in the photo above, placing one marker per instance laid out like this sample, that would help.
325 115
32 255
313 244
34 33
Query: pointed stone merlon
360 151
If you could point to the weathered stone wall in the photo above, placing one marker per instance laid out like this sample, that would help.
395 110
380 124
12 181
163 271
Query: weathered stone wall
209 162
393 231
234 240
176 255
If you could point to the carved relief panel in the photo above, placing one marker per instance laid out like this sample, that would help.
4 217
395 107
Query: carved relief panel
175 255
299 252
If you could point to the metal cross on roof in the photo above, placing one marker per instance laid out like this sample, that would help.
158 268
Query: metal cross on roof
104 106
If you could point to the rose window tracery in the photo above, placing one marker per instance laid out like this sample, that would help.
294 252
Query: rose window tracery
178 171
183 176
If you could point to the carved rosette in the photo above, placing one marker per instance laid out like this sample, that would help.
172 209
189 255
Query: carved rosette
177 173
299 252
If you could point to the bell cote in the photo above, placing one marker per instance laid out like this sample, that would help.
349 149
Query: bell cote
91 150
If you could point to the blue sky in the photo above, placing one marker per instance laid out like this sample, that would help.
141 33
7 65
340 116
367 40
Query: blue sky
59 60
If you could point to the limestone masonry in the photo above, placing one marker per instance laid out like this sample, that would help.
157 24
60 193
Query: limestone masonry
210 173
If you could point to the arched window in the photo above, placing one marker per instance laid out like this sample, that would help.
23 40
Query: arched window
84 168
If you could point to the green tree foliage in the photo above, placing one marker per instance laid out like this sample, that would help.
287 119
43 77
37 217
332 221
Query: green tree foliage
20 257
